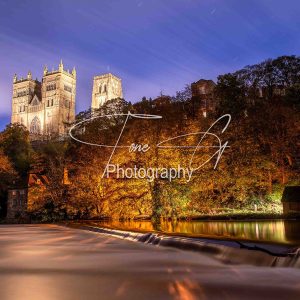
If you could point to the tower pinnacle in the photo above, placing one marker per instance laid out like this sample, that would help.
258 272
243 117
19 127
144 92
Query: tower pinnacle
61 66
74 72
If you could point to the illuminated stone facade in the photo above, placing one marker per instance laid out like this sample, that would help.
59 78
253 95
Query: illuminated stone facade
47 107
203 93
105 87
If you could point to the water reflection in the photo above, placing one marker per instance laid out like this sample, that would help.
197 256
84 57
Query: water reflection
269 231
292 230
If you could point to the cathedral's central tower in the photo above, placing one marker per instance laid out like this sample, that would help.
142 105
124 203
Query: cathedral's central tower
105 87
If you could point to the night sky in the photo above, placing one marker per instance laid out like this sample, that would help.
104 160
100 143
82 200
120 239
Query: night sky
153 45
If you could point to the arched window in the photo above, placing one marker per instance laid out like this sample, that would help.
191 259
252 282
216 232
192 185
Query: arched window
35 126
100 88
104 88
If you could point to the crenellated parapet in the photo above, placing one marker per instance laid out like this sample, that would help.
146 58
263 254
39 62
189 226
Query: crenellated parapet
60 70
23 79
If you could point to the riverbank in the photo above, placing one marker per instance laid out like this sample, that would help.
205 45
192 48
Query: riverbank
240 215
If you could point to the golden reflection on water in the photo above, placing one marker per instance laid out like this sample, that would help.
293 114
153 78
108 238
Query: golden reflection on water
269 231
185 290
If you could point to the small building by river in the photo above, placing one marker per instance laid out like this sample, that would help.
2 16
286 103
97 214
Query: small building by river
291 199
20 195
17 204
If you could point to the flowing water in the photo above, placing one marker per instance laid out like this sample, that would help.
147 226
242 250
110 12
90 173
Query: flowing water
275 231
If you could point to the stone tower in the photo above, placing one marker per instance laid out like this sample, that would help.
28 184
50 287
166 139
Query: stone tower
26 98
203 94
105 87
58 94
47 107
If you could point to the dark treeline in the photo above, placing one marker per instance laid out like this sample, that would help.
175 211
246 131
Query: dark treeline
264 102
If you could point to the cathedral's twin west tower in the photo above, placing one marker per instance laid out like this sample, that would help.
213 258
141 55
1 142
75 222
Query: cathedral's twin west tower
48 107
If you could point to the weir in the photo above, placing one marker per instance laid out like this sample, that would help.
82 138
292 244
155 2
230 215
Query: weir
228 252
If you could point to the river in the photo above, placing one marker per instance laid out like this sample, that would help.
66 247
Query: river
273 231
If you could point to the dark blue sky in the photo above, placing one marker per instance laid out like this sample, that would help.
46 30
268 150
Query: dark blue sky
153 45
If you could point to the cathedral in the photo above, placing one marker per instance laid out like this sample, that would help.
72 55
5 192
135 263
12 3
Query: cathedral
47 108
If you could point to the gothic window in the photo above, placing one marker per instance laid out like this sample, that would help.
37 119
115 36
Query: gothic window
100 88
35 126
22 108
67 88
104 88
51 102
51 87
22 93
48 103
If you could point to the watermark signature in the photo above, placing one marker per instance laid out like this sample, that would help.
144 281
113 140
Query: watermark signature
152 173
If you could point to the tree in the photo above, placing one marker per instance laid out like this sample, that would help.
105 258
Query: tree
7 176
15 144
230 92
